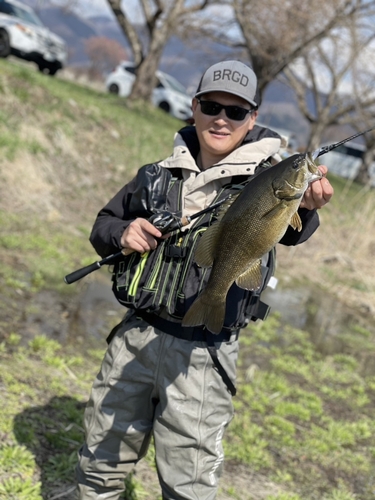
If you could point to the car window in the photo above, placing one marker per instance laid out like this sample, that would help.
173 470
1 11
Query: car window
25 15
159 85
174 84
129 69
350 151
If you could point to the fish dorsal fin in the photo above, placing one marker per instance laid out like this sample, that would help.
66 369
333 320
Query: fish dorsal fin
251 279
205 253
296 222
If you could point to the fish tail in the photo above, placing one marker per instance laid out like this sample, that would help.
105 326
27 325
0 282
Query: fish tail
205 311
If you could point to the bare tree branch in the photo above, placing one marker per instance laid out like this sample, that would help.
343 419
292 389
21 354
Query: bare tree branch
162 20
128 29
336 60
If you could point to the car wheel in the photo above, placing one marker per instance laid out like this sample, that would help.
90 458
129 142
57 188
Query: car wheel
164 105
52 70
114 88
48 69
4 44
42 68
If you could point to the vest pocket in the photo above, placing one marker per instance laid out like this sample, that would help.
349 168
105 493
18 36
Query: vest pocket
189 280
129 275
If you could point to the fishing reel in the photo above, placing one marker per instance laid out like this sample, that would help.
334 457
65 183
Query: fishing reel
165 221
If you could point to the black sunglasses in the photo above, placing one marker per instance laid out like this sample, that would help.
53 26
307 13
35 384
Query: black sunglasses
213 108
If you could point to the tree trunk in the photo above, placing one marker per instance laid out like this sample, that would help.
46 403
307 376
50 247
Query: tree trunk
363 174
146 79
316 133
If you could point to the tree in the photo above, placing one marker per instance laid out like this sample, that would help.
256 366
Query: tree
326 38
365 118
161 20
318 79
338 76
275 33
104 55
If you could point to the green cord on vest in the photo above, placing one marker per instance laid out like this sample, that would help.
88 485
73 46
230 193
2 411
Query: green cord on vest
137 275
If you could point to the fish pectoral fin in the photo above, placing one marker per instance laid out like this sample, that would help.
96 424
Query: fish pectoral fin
296 222
279 206
204 255
251 279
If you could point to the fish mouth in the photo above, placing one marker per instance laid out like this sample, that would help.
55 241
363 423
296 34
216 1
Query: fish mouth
292 186
315 176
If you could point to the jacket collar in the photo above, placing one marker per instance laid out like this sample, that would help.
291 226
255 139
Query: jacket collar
259 144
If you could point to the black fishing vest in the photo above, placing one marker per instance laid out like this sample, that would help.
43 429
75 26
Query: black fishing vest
168 279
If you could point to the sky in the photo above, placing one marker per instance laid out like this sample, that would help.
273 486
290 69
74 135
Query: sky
90 8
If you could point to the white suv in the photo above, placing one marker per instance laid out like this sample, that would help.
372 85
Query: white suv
168 94
23 35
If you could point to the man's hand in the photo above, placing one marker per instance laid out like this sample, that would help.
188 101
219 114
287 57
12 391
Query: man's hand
140 236
318 193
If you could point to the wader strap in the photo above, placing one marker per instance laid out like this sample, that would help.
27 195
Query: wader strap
215 358
115 329
193 333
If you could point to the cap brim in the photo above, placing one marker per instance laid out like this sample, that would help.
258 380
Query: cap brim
206 91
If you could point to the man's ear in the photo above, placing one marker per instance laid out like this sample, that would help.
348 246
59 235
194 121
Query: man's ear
194 104
254 116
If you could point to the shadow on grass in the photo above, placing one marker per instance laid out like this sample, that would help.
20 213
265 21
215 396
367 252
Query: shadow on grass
54 434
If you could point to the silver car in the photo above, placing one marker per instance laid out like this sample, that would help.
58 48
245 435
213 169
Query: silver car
23 35
168 94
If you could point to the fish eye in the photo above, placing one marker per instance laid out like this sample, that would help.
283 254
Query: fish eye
297 161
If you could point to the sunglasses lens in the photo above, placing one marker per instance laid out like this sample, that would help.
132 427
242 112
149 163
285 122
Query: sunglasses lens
210 108
236 112
213 108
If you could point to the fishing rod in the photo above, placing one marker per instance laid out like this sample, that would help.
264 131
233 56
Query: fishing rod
325 149
165 221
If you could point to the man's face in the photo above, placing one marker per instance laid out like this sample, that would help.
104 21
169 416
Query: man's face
219 135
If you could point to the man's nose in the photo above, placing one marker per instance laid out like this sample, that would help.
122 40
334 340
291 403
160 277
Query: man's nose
221 116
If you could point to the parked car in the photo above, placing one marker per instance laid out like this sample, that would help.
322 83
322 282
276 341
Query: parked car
169 94
23 35
346 161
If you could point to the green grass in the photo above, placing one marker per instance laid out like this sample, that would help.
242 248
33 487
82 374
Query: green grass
305 416
41 417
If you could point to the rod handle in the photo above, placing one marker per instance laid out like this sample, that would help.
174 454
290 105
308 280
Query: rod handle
81 273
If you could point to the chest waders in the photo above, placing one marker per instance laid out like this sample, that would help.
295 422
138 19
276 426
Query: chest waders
160 285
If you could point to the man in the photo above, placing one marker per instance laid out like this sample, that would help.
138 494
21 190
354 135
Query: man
160 378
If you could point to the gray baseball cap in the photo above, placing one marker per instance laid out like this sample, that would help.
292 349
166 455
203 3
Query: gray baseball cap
233 77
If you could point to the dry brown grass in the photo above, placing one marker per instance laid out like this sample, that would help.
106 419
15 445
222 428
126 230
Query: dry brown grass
340 255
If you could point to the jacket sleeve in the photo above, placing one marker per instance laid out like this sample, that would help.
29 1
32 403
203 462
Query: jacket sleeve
143 196
310 223
111 222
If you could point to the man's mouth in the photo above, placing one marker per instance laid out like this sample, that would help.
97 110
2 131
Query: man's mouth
217 132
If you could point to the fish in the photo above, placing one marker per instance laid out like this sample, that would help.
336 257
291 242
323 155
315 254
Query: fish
247 228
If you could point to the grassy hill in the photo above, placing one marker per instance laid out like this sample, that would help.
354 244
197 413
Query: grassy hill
304 424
